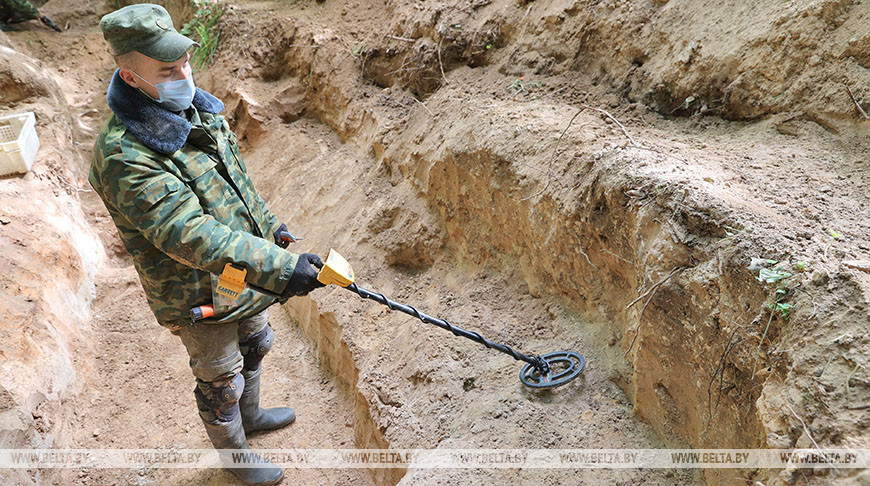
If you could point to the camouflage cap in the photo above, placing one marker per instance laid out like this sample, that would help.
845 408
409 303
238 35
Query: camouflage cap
146 28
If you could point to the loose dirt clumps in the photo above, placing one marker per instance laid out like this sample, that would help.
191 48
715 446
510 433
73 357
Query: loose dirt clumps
674 189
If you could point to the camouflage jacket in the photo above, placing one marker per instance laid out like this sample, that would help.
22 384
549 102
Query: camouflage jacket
21 10
179 193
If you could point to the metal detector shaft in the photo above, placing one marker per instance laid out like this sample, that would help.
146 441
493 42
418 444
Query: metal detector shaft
536 361
546 371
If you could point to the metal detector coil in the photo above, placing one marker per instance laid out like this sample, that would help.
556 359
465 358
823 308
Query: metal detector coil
563 366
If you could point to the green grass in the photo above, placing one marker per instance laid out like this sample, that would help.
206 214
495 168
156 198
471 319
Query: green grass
203 27
778 275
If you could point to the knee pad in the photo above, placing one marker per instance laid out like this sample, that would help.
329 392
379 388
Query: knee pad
220 399
256 346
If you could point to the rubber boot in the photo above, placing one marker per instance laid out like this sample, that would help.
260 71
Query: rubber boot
231 435
255 418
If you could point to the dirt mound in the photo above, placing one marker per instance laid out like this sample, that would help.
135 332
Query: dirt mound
681 58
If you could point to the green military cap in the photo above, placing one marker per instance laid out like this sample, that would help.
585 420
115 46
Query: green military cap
146 28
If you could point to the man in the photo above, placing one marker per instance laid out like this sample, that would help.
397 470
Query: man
169 171
17 11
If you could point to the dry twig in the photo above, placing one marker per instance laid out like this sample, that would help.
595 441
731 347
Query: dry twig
555 150
582 252
857 105
806 431
440 64
863 265
580 249
651 293
655 286
720 372
423 105
763 336
584 107
605 250
599 110
849 378
399 38
813 299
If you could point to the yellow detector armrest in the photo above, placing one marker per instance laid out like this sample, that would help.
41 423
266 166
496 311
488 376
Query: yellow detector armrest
335 270
232 282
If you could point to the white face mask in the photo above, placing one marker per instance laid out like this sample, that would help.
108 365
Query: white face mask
174 95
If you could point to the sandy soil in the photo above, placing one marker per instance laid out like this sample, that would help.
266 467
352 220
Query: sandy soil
139 395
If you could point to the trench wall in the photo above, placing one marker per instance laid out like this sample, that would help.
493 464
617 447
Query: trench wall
585 241
589 221
336 357
47 267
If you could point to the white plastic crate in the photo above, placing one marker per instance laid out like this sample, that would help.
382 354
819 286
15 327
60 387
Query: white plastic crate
18 143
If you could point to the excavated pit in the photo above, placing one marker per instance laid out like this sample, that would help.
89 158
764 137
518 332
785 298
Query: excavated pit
564 205
492 165
414 385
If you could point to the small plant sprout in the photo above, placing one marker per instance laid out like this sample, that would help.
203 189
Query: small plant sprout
358 50
777 306
522 86
518 86
781 307
772 275
834 237
688 101
776 274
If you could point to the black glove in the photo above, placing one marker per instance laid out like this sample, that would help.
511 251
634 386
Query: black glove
283 237
304 278
47 21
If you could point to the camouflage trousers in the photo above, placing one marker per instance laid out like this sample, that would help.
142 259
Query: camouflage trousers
214 348
15 11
